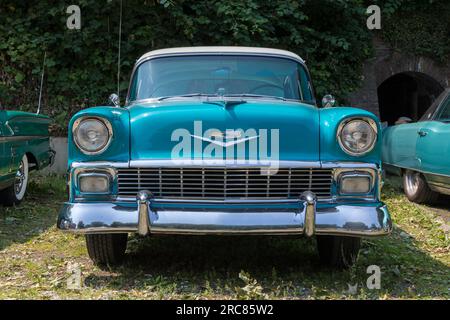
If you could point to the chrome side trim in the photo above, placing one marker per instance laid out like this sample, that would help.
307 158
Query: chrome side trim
349 165
99 164
21 138
439 187
417 170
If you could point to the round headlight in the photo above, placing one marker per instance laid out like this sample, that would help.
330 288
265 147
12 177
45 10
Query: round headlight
92 135
357 136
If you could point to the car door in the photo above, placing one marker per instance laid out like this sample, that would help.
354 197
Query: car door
399 145
433 146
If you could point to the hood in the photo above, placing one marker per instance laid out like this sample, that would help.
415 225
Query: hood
198 130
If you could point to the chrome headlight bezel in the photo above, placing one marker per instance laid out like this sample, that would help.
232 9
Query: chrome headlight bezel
105 176
372 124
75 138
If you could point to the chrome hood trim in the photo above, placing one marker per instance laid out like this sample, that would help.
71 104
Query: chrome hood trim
232 163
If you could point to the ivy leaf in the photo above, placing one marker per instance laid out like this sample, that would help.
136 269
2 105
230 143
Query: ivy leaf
19 77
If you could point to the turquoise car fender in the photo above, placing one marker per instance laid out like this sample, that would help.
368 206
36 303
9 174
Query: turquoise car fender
330 150
119 148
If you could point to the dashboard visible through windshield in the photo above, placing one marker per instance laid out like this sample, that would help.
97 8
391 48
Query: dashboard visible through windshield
221 75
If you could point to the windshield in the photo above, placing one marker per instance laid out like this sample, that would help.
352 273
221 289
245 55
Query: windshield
221 75
444 112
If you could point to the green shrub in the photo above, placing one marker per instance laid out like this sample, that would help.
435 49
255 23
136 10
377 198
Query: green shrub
81 66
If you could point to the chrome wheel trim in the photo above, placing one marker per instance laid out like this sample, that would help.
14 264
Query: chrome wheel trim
21 179
412 181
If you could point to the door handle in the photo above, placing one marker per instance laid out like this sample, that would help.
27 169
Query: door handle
422 133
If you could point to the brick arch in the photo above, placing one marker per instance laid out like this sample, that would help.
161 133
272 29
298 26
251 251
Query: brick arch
406 94
397 63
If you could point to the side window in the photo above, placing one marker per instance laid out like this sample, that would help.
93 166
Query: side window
444 112
305 85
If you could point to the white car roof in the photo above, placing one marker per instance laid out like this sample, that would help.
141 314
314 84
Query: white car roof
221 50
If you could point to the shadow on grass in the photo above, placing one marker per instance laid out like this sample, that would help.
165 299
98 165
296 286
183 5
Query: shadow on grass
171 254
35 214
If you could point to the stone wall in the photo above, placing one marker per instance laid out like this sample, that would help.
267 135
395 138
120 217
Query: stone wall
386 63
59 166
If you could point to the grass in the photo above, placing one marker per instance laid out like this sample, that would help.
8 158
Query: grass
35 257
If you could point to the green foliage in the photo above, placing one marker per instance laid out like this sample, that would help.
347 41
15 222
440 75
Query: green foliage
419 27
81 66
252 289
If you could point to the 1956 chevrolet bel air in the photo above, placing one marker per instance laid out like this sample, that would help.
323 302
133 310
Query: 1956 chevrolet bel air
24 146
224 141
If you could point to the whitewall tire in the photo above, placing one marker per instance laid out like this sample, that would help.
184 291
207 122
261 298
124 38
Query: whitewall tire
15 193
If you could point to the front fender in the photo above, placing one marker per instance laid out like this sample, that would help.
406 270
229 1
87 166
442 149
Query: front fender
330 151
119 148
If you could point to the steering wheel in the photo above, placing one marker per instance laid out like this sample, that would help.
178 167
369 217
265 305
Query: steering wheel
268 85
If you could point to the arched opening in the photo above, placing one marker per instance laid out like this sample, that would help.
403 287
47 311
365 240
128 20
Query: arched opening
406 94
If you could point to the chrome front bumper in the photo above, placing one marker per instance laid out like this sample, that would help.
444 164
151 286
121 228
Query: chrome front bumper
151 216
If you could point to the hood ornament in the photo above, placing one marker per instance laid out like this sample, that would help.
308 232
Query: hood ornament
231 138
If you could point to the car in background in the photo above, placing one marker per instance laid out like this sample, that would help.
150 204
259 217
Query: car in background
189 154
420 152
24 146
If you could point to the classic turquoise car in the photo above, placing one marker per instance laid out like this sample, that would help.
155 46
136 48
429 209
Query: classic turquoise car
224 141
24 146
420 152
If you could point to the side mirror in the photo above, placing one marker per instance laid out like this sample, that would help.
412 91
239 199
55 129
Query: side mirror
328 101
115 100
403 120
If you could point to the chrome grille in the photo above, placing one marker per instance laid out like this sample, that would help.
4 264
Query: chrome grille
224 183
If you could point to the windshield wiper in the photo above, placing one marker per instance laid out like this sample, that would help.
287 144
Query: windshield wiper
249 95
187 96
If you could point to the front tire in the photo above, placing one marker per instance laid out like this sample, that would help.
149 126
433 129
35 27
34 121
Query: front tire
338 252
416 188
106 249
14 194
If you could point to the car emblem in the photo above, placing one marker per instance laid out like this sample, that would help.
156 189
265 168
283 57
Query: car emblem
227 137
231 134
